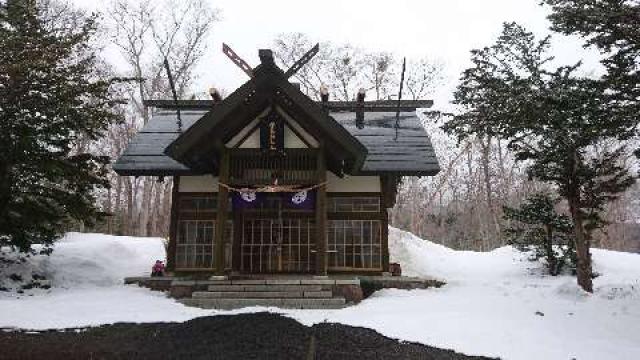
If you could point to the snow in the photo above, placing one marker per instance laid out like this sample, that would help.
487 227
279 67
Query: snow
92 260
494 304
87 273
92 306
489 305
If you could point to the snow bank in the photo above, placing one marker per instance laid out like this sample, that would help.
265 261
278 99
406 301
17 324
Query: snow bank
494 304
100 260
419 257
500 304
85 260
87 273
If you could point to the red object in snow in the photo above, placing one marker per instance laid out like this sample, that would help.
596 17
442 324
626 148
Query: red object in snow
157 269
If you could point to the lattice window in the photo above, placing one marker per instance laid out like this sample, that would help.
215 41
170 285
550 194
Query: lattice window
272 245
350 204
195 245
298 243
198 203
195 242
355 244
290 166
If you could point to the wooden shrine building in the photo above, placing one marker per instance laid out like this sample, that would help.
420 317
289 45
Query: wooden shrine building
268 180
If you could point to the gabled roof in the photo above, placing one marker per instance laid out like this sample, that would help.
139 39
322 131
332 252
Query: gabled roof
162 148
145 155
410 154
269 86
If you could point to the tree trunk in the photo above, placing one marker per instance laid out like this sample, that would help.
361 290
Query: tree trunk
5 189
486 158
109 209
156 213
551 258
118 207
128 224
145 206
166 206
582 249
583 268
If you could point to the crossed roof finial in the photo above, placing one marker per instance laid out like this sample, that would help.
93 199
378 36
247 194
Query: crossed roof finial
244 66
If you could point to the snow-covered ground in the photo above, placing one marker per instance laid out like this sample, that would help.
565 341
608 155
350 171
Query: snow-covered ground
87 273
494 304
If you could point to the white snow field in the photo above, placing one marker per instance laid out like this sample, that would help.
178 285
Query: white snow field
494 304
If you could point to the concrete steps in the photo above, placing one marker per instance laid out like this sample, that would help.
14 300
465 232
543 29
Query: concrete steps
292 293
262 294
287 303
235 288
295 291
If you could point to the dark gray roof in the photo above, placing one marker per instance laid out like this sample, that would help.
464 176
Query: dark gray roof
410 154
145 153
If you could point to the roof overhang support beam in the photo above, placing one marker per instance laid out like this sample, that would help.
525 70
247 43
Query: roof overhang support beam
378 105
369 106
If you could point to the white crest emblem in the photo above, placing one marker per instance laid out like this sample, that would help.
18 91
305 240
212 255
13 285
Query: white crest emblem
299 197
248 196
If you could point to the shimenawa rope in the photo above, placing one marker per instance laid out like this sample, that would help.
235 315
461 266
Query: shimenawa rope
273 188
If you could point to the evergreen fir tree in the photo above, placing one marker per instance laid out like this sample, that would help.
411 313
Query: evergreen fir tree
536 226
553 120
50 100
613 27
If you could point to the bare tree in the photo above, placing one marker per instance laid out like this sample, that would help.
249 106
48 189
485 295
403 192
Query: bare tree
146 32
344 69
461 207
288 48
422 77
379 72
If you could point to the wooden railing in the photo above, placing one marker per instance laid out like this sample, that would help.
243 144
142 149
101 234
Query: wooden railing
261 167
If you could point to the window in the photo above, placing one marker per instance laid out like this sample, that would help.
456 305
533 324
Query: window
194 245
355 244
354 204
195 239
354 231
197 204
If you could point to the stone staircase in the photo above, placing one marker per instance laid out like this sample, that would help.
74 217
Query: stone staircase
282 293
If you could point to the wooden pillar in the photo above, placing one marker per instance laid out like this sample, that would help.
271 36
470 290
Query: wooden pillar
221 216
236 248
173 225
385 238
389 186
321 216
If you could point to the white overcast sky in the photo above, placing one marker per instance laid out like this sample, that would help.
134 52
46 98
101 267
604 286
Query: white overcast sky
445 30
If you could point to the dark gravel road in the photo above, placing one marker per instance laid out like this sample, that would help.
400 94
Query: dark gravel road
246 336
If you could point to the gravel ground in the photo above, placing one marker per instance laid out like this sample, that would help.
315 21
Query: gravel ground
246 336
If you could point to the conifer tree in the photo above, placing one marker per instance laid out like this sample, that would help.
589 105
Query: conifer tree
536 226
613 27
553 120
51 100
